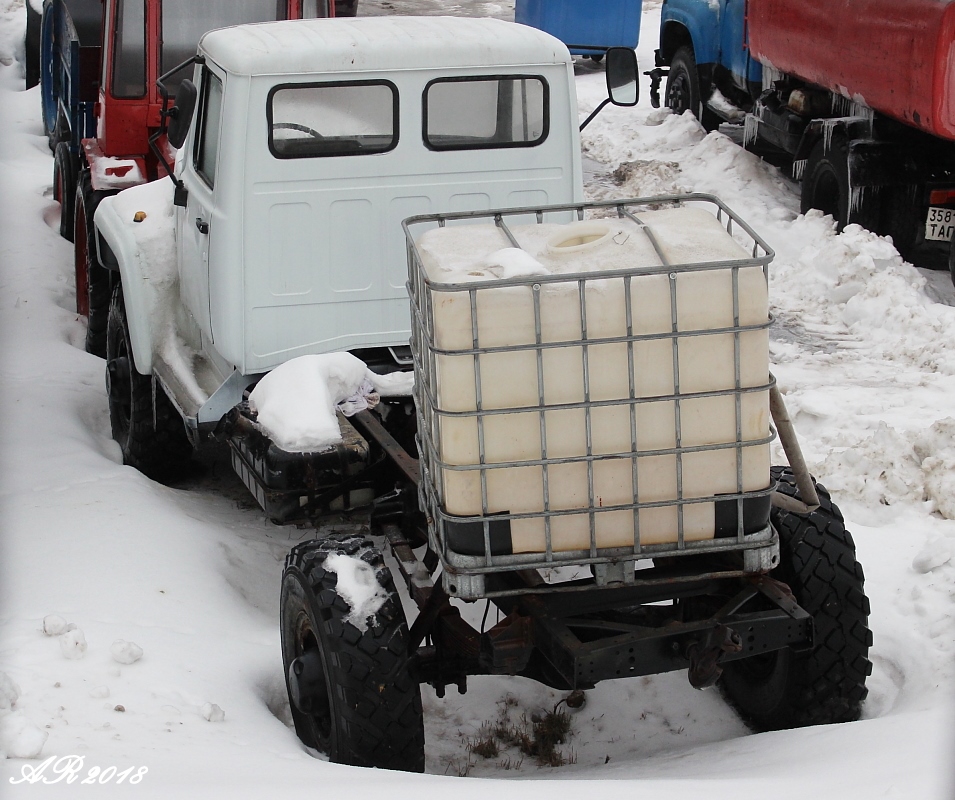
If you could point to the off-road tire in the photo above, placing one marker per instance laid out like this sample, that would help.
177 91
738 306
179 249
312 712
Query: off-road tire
825 684
92 280
370 713
64 187
153 440
683 90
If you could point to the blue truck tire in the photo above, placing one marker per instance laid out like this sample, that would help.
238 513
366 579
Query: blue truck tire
683 89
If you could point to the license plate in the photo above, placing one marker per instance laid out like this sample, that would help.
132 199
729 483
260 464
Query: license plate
940 224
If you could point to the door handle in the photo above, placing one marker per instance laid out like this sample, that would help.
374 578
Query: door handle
202 225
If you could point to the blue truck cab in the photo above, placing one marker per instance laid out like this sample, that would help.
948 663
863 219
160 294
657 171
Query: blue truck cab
703 47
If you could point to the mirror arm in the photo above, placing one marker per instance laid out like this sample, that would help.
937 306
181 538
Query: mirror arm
594 113
164 116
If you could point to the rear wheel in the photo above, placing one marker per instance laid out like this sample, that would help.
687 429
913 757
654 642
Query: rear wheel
825 183
683 89
351 694
147 426
64 187
826 684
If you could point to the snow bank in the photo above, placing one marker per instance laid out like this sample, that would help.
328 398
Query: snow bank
9 694
19 738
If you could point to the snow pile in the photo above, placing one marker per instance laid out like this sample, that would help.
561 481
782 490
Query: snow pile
890 466
73 644
296 402
55 625
212 713
9 694
936 450
19 738
358 586
124 652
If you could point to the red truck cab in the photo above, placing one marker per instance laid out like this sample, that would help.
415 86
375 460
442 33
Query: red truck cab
102 105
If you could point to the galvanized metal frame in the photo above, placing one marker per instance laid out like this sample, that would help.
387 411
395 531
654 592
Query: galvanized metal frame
421 291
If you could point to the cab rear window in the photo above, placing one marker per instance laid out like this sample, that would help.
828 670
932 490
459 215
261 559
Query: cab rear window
333 119
474 113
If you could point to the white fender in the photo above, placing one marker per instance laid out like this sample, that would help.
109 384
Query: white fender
138 225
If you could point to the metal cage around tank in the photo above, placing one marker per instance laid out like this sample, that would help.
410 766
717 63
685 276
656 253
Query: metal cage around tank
466 569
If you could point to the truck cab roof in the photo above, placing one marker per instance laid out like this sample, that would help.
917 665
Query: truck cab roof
378 43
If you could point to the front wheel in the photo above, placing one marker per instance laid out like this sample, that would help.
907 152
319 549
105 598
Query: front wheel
144 422
93 290
65 168
825 684
351 694
683 91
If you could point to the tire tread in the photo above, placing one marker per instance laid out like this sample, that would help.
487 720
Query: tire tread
818 561
381 721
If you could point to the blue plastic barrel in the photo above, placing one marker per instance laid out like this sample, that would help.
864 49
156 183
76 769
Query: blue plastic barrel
587 27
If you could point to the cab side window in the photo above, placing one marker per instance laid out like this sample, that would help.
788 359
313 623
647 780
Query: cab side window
475 113
208 125
129 50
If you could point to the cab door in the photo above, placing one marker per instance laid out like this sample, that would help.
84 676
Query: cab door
735 54
195 219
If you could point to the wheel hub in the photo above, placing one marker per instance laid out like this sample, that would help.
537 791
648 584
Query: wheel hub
306 684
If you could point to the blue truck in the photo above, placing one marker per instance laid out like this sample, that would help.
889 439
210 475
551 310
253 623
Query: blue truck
588 29
859 97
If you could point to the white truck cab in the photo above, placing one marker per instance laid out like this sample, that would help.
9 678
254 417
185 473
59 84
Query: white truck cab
311 141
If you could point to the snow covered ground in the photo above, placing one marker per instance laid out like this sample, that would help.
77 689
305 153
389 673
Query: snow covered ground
864 348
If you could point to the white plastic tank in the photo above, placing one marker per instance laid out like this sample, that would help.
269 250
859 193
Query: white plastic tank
574 314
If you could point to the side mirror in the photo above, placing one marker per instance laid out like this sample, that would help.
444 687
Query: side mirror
623 75
180 115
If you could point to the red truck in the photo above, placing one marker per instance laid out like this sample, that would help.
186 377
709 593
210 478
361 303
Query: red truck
99 62
859 94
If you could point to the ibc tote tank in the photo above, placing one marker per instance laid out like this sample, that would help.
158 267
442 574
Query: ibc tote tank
589 413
